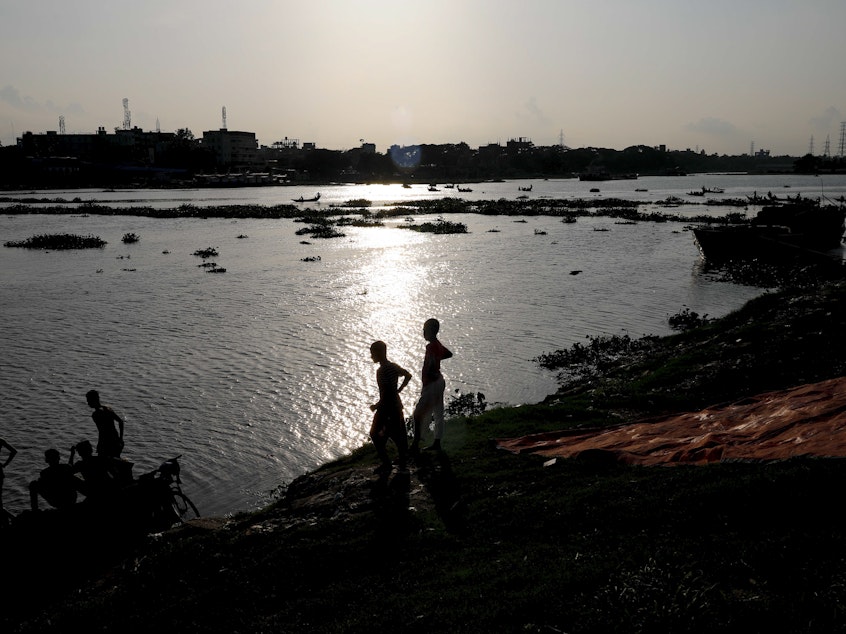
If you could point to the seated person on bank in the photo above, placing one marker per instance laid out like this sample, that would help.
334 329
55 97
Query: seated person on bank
57 484
100 474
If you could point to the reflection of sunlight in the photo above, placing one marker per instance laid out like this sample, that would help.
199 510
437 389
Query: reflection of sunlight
385 237
392 277
396 288
384 286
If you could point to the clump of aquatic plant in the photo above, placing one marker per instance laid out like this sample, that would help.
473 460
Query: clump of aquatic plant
363 221
440 226
394 212
322 228
686 319
469 404
601 353
57 241
208 252
440 206
130 238
358 202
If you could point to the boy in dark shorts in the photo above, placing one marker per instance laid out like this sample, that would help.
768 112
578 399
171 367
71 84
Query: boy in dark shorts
109 439
388 421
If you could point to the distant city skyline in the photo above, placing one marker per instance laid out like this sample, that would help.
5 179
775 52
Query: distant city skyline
722 76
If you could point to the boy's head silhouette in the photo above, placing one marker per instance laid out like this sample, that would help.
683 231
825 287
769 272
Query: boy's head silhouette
378 351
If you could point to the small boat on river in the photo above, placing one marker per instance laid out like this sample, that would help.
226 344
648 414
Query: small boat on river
706 190
801 229
307 200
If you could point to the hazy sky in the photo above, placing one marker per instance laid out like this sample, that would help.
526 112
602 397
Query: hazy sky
718 74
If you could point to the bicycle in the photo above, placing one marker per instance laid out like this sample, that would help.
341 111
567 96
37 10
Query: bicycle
168 503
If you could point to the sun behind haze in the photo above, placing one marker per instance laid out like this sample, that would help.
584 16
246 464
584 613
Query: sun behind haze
721 76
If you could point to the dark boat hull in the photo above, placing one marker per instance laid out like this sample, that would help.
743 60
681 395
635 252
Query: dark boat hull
777 234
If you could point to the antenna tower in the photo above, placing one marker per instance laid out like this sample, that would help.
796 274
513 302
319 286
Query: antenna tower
61 124
561 138
224 118
842 138
811 146
127 117
158 127
827 150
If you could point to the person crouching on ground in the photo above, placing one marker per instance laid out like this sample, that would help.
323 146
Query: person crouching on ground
57 483
388 421
100 474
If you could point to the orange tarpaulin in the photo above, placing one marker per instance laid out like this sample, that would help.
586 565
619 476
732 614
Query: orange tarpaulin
806 420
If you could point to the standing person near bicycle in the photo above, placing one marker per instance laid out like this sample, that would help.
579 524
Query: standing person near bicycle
110 439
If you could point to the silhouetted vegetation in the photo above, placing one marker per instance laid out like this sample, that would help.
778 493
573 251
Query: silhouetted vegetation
469 404
320 227
57 241
686 319
439 226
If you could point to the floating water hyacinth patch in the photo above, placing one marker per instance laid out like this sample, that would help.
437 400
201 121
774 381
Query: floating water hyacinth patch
58 241
441 226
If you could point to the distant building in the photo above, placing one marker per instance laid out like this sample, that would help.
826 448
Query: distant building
491 156
286 144
231 148
132 145
519 145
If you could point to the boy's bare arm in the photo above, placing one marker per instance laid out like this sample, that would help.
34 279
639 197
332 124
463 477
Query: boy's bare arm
406 377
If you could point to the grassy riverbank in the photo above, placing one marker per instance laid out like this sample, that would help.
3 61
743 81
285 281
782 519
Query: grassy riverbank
479 540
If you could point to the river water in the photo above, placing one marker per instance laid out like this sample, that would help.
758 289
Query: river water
260 374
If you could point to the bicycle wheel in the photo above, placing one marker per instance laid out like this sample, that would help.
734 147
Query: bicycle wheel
182 504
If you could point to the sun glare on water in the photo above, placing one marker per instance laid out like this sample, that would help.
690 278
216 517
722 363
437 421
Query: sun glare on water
393 278
380 299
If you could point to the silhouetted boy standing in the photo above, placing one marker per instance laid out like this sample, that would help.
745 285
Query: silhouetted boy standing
388 421
109 440
431 402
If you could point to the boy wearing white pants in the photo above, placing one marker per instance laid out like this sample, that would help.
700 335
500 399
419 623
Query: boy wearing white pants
431 402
